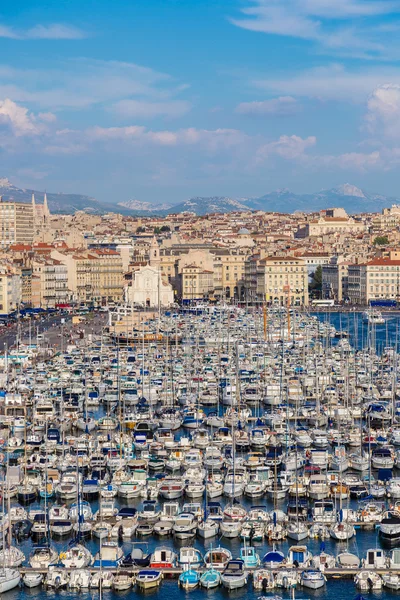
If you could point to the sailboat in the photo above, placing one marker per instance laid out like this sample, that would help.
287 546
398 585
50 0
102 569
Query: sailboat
297 530
207 528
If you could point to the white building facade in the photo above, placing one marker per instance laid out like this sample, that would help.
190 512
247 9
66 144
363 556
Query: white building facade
148 289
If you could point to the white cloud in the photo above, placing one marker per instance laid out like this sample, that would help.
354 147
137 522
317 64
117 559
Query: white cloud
82 83
47 117
53 31
148 110
17 118
280 107
352 161
331 82
288 147
8 32
210 139
347 25
383 111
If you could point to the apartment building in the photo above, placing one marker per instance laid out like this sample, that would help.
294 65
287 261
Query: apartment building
196 284
229 273
16 223
282 279
49 283
378 278
25 274
10 291
94 275
250 278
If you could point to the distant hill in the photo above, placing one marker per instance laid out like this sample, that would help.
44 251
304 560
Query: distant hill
143 207
347 196
207 205
60 203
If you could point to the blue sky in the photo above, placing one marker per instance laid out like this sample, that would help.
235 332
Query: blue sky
161 100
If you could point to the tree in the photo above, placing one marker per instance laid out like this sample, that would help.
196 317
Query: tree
165 228
140 229
316 283
157 230
381 240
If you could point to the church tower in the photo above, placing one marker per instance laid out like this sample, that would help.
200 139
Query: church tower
154 253
46 212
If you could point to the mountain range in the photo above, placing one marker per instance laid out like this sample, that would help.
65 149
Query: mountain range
347 196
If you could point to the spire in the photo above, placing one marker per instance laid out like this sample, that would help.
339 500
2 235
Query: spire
33 199
46 212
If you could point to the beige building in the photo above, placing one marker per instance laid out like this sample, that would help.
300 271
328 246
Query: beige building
329 225
93 275
282 279
10 291
196 283
49 285
229 273
376 279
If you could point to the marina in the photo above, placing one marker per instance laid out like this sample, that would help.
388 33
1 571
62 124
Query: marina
212 447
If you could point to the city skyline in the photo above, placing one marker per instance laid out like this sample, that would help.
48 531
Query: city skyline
161 101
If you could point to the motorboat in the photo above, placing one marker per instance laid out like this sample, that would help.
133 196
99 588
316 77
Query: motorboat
299 556
163 558
234 575
312 579
373 317
172 489
391 581
375 559
148 578
109 556
61 527
80 579
273 559
185 526
122 581
137 558
368 581
77 557
103 578
389 528
249 557
263 579
32 580
217 558
323 561
42 557
56 578
189 557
